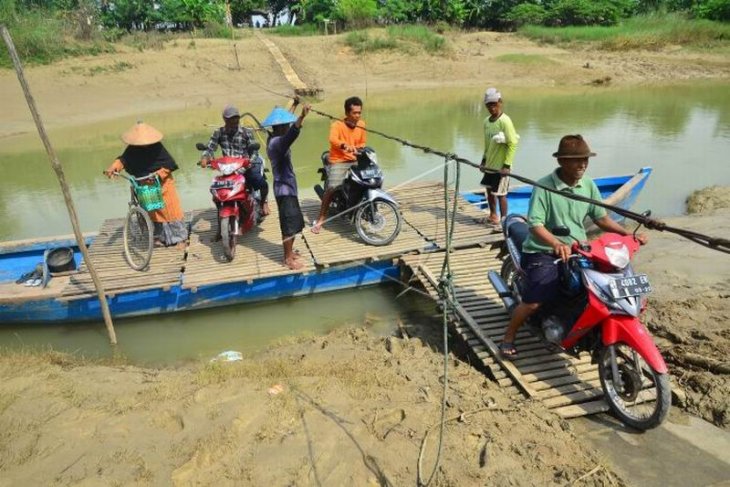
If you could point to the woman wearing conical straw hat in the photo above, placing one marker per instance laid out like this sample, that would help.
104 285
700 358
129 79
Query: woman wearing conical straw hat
146 155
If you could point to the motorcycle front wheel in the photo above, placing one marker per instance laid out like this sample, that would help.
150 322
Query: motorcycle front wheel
508 273
378 222
639 396
228 236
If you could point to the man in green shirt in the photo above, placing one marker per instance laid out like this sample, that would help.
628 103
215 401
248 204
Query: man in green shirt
547 211
500 145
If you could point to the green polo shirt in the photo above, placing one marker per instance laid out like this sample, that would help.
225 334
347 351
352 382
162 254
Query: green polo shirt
498 155
551 210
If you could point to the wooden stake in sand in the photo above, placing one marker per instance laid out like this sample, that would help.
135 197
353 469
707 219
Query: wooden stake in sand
56 164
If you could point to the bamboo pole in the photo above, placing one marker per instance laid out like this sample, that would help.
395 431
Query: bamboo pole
56 164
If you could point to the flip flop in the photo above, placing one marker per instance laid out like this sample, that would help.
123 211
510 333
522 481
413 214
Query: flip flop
507 349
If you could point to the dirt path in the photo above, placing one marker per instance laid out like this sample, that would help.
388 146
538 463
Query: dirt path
201 74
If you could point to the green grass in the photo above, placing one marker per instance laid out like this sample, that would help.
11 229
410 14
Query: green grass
643 32
403 38
40 38
295 30
525 59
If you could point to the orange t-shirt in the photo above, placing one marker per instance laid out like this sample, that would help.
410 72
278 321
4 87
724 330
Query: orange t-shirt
340 134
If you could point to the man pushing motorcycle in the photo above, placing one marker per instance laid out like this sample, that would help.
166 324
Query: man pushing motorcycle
234 141
547 211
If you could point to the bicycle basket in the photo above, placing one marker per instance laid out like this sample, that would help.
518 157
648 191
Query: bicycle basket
150 195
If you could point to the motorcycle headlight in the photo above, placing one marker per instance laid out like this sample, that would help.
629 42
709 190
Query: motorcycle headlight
227 169
618 257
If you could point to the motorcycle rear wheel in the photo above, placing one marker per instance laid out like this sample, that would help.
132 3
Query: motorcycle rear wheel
645 399
378 222
228 237
138 238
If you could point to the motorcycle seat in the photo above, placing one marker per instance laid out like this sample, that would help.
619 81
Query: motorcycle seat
515 228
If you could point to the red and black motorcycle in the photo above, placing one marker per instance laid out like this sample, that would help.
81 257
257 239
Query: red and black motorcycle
601 299
239 206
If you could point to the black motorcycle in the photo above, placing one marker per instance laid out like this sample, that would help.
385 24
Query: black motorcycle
361 199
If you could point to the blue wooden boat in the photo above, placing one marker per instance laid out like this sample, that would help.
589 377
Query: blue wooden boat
20 304
619 191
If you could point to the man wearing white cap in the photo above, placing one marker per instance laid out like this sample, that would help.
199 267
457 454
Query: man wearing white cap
500 145
234 141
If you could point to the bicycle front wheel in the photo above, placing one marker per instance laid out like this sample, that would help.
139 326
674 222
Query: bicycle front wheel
138 238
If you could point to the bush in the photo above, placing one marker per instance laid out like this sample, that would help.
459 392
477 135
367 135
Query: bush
357 13
588 12
713 10
527 13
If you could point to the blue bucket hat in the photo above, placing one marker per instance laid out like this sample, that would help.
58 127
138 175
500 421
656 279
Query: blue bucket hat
279 116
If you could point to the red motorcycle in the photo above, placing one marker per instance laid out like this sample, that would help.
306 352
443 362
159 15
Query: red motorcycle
598 312
239 207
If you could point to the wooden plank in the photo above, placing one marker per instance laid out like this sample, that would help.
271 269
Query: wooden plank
576 410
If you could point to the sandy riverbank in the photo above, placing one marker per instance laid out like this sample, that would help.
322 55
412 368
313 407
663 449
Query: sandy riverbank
131 83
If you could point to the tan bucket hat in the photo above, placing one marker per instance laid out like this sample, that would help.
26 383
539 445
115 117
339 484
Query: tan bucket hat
141 134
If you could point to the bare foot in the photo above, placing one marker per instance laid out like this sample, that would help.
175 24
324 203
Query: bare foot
493 220
180 245
265 209
158 243
293 264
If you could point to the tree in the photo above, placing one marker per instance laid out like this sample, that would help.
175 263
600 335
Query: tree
128 14
357 13
191 13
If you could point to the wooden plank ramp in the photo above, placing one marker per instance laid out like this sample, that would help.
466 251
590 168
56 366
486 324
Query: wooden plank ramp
567 385
338 241
259 253
422 205
107 254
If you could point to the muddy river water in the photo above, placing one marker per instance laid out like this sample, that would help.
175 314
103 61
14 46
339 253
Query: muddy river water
682 131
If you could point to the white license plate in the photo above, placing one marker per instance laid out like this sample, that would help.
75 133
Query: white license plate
623 287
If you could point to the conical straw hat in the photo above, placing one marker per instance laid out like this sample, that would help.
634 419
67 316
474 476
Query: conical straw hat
141 134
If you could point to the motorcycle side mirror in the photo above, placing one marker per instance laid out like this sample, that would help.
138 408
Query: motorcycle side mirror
646 213
561 231
200 146
253 147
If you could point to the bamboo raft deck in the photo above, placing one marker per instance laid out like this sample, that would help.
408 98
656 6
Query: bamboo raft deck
107 254
567 385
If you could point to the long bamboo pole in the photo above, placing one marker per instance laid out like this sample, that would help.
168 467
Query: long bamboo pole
56 164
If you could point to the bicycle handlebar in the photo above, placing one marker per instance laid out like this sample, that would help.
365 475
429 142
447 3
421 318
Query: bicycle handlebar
131 178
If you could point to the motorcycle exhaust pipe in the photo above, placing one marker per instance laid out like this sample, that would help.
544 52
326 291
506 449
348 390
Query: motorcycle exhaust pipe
502 290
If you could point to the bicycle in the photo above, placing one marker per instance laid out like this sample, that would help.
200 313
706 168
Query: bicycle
138 232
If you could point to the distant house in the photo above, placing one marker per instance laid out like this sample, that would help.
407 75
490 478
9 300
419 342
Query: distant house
263 18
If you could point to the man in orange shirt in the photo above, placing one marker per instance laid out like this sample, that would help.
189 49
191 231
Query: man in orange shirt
346 137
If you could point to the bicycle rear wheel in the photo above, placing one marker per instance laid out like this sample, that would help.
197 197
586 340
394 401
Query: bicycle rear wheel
138 238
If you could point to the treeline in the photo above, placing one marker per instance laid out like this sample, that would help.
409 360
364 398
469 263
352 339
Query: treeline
46 30
145 15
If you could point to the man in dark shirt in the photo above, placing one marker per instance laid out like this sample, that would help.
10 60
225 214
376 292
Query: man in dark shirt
283 135
234 141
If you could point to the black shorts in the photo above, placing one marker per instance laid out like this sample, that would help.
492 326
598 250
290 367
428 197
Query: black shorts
543 281
496 183
291 219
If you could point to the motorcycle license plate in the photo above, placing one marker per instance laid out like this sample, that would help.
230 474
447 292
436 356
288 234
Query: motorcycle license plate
624 287
221 184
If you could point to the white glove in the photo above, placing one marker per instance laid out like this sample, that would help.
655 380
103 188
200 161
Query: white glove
499 138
